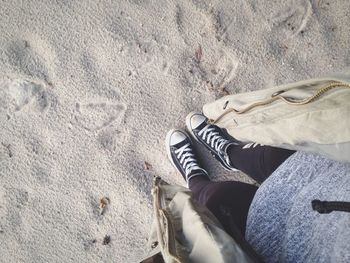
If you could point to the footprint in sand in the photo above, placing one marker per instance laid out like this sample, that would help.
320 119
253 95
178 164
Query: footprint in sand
41 174
96 79
25 95
17 199
216 75
224 69
217 64
32 57
107 139
294 18
97 115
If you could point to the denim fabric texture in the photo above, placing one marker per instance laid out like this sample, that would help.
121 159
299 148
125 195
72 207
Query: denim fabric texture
283 227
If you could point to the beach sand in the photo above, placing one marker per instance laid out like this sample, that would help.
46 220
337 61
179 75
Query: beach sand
88 90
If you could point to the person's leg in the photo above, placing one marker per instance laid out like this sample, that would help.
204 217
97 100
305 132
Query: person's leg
257 161
228 201
221 198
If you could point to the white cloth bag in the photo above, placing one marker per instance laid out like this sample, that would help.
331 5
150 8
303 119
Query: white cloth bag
311 115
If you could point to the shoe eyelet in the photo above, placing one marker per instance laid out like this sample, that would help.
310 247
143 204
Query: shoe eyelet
154 245
277 93
225 105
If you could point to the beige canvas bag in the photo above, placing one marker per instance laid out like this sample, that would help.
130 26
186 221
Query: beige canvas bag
311 115
185 231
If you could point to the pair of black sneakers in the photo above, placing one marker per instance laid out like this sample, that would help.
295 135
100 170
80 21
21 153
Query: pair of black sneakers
180 148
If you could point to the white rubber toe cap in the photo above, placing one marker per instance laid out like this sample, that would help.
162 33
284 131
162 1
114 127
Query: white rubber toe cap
176 137
196 119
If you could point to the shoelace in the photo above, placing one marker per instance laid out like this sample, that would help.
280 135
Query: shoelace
186 157
252 144
213 138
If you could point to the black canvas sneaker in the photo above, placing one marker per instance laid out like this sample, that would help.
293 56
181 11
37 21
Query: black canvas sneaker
180 152
212 137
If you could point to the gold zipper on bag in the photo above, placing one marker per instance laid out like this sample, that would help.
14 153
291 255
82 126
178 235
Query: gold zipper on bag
278 96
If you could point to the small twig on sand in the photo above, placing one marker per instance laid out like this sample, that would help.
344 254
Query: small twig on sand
147 166
104 202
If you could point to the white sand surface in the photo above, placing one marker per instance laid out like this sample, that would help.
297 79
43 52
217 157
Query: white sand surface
88 90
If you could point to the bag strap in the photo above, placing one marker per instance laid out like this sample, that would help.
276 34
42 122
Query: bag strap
277 96
162 215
